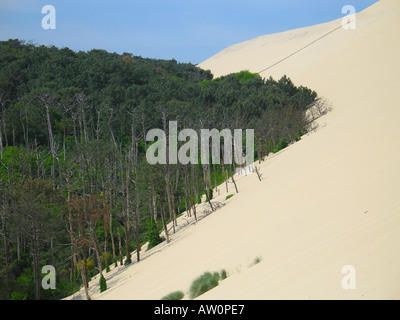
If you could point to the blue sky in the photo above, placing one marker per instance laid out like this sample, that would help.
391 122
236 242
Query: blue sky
188 31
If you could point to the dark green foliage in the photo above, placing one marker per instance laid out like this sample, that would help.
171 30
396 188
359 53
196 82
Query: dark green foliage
282 144
299 134
24 289
122 81
211 193
245 75
199 197
103 284
154 237
223 274
229 196
128 259
106 260
87 100
176 295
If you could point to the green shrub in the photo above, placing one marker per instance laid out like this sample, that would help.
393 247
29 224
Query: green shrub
282 144
18 296
103 284
106 259
204 283
176 295
128 259
229 196
210 193
245 75
89 264
223 274
299 134
256 261
154 237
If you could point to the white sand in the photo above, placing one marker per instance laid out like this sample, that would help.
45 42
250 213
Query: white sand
330 200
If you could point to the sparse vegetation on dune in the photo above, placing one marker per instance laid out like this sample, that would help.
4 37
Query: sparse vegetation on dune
176 295
256 260
204 283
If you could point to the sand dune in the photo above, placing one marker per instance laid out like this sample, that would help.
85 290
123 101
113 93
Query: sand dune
328 201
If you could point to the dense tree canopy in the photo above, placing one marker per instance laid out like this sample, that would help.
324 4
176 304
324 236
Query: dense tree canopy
74 124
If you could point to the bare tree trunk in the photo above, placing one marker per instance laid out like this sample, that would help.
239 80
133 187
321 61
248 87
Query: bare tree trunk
36 262
46 101
3 216
81 100
97 250
258 174
225 173
154 199
209 200
150 206
215 177
2 122
233 180
163 221
110 128
144 130
137 226
84 274
112 235
187 191
134 160
64 141
74 126
73 244
127 252
170 208
194 184
120 247
112 179
98 125
127 212
167 173
4 127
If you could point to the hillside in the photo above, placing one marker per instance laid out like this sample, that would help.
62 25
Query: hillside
328 201
338 206
76 133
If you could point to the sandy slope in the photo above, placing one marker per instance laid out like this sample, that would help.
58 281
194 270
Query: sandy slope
330 200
